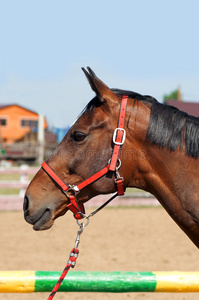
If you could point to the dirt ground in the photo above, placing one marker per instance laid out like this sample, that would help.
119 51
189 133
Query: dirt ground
128 239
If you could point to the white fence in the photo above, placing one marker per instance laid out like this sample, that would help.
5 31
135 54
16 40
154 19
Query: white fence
15 202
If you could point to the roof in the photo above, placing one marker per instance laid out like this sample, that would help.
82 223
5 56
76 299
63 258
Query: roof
14 104
191 108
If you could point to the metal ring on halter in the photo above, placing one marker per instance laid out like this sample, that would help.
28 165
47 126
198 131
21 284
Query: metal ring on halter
85 216
118 161
72 189
119 164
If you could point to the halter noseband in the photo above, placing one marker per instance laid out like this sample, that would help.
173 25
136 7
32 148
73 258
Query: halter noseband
113 165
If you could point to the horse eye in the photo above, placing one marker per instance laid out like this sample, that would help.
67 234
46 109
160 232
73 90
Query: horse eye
78 136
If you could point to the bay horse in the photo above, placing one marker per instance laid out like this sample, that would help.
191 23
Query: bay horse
159 155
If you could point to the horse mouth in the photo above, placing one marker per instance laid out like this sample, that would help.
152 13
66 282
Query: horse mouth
41 221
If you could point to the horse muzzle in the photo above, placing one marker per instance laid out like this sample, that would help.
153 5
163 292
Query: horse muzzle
40 219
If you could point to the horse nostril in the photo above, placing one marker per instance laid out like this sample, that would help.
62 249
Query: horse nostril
26 203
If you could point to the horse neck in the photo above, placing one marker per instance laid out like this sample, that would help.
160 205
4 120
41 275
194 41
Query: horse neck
171 176
164 173
158 170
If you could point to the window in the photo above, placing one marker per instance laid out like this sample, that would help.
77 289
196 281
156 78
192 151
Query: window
3 122
29 123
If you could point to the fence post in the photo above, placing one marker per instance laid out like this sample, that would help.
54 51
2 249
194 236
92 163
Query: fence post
41 139
23 178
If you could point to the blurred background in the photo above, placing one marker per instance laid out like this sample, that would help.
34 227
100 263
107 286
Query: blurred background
150 47
147 47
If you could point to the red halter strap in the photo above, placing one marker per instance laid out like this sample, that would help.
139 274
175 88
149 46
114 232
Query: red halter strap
119 134
71 191
77 209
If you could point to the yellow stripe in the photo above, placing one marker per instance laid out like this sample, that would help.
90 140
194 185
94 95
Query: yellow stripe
177 282
17 281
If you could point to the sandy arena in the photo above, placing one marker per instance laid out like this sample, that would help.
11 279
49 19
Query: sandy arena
128 239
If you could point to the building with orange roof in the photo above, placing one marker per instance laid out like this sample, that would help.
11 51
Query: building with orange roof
16 122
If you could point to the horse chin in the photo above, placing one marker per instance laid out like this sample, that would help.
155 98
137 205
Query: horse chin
42 220
42 224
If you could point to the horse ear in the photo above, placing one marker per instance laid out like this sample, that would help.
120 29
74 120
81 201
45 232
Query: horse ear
98 86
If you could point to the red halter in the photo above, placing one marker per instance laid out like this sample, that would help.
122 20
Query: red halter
71 191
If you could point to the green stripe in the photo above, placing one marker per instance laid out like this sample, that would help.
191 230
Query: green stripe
109 282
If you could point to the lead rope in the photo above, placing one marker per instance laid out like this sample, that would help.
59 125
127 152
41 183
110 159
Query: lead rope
72 260
75 251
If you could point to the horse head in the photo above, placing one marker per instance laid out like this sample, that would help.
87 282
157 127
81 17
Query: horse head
86 148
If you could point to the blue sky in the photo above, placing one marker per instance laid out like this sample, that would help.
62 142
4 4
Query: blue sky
150 47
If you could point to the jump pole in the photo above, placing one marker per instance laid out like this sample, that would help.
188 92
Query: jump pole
106 282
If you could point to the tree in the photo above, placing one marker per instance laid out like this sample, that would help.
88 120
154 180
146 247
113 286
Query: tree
172 96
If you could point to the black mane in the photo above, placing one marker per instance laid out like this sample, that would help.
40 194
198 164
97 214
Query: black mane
168 126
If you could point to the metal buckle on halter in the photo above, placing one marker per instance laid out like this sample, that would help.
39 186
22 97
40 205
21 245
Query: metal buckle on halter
117 174
118 178
72 189
115 136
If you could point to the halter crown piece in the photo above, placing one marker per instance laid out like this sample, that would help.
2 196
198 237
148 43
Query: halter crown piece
113 165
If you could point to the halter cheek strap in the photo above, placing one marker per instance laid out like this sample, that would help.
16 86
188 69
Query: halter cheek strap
119 134
71 191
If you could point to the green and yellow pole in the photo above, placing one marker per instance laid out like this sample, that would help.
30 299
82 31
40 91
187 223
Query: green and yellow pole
106 282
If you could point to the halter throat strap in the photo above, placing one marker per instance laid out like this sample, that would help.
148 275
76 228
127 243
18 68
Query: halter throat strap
71 191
